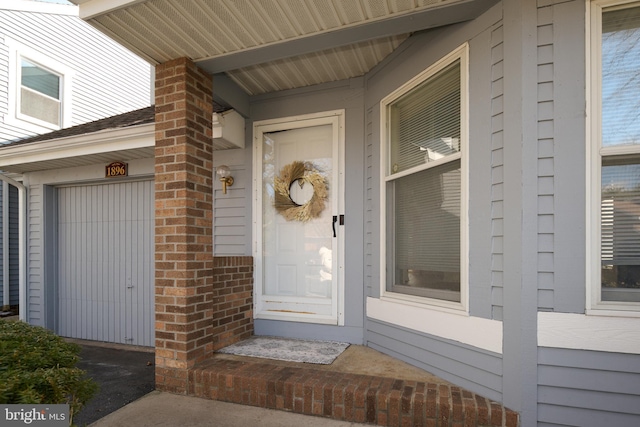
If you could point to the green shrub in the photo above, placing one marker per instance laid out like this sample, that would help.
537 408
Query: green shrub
38 367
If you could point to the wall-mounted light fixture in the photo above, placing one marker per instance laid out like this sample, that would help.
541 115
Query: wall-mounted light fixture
226 179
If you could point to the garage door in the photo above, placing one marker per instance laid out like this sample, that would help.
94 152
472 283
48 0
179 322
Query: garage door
105 256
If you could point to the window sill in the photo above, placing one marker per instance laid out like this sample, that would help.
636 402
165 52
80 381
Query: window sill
450 307
614 312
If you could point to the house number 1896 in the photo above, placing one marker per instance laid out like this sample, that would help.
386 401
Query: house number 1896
116 169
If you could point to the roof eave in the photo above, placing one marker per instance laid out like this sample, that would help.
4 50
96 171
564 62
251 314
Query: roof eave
15 158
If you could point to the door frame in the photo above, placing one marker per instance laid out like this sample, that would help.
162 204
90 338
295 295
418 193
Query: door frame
336 118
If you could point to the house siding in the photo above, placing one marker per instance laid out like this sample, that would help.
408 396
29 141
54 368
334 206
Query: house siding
575 387
35 266
588 388
99 89
372 189
232 211
561 156
497 172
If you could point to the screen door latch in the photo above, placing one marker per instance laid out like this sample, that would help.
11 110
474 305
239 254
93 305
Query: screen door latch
335 219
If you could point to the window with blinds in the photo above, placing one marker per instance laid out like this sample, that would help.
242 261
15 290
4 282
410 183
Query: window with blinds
620 156
424 124
423 188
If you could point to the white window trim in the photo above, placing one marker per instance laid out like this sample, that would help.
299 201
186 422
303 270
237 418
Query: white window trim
587 332
594 152
22 121
462 307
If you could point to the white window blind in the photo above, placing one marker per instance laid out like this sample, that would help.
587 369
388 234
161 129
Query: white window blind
424 124
423 204
427 232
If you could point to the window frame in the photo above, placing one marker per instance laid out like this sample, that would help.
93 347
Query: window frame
595 154
462 54
18 52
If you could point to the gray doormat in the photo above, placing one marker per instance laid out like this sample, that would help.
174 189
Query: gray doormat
317 352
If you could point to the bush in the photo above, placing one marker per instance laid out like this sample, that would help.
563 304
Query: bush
38 367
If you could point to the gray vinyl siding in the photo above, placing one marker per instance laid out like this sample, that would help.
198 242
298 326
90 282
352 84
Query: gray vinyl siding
561 156
463 365
497 171
575 387
108 78
372 205
35 313
588 388
546 178
473 368
231 211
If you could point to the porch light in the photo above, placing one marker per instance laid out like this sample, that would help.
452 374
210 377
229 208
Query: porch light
226 179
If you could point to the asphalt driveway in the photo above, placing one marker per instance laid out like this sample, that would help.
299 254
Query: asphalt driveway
122 374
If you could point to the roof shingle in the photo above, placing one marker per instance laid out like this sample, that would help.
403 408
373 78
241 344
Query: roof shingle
138 117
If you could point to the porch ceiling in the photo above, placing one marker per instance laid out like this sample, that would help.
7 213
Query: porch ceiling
271 45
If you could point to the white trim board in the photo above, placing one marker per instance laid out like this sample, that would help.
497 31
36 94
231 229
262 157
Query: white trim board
585 332
474 331
105 141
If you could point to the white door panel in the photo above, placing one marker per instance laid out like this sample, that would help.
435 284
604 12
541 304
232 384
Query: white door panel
297 260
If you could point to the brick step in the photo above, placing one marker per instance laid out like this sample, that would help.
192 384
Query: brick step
343 396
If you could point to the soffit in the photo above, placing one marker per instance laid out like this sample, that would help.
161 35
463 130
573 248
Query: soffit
270 45
85 160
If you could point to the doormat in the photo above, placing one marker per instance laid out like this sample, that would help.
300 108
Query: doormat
317 352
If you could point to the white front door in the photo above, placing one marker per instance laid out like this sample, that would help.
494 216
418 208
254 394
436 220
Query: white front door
298 217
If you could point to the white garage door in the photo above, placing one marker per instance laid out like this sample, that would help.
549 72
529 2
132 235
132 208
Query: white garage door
105 256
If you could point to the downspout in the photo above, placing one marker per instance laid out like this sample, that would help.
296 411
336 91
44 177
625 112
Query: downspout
22 238
6 298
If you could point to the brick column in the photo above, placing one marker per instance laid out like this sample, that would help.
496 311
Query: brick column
183 215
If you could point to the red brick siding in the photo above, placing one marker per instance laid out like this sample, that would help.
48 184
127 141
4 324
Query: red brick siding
183 215
232 300
202 303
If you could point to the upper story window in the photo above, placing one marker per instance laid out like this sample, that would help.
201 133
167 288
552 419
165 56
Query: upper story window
423 193
40 93
615 159
39 90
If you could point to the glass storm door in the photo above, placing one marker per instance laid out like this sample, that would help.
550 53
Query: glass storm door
298 219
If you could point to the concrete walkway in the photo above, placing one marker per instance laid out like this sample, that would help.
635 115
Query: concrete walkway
158 409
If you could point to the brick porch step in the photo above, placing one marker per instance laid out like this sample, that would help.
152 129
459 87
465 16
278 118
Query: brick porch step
343 396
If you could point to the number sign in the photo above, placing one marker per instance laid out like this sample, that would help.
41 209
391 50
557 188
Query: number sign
116 169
